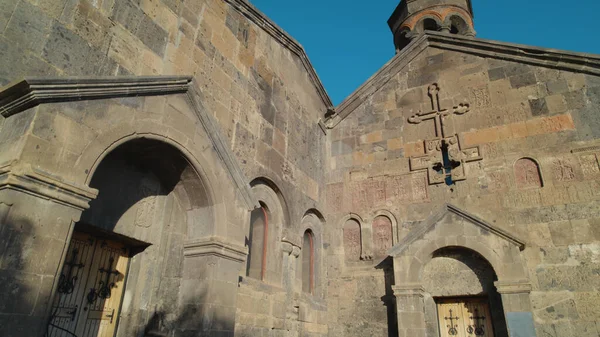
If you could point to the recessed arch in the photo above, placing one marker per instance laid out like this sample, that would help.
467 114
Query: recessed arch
267 181
163 169
311 252
263 232
424 256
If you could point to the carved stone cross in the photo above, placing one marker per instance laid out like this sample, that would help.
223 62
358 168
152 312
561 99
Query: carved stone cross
444 157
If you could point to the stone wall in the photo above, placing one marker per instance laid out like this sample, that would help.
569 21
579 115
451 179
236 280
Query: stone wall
252 78
264 97
530 141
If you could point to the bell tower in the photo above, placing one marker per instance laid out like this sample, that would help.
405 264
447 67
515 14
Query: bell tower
412 17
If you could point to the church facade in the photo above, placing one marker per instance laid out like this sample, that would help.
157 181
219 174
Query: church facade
176 168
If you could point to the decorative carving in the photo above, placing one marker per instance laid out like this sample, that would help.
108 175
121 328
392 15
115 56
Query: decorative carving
527 173
563 170
352 240
406 188
146 206
480 97
589 165
477 327
497 181
368 193
444 157
382 235
452 331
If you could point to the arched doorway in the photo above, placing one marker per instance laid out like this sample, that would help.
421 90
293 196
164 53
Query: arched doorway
455 260
460 298
124 271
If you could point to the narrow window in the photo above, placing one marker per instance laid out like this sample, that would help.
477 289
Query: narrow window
257 243
308 263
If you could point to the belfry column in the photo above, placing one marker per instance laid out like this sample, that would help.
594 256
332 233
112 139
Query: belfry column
411 313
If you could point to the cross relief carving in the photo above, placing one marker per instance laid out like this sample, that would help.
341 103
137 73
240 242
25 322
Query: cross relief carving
444 157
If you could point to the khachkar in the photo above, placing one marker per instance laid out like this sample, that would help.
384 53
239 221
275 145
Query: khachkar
444 157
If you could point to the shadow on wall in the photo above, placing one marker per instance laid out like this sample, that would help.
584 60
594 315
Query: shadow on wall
190 320
21 280
389 300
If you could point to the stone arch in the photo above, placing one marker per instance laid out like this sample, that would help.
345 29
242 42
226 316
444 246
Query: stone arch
205 163
428 22
403 38
271 183
170 169
352 227
150 192
269 197
459 24
528 173
314 222
424 256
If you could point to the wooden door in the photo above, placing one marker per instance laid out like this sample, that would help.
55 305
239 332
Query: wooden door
468 317
90 288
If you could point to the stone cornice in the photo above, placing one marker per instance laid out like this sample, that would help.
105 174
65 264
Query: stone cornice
543 57
411 289
30 92
262 21
215 246
513 287
33 181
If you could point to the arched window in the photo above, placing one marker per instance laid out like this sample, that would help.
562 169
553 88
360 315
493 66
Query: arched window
257 243
308 262
430 24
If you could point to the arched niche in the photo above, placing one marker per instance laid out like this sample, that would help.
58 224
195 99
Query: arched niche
384 232
138 182
352 239
528 174
273 211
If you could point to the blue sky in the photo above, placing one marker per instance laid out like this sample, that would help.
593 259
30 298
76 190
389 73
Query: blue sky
349 40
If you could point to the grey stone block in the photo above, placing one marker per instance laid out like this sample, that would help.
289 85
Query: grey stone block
8 7
31 22
127 14
496 74
557 87
66 50
152 35
538 107
522 80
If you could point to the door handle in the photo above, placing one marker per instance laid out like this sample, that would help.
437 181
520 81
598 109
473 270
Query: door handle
111 316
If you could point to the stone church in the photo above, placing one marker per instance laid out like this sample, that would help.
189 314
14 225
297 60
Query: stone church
176 168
